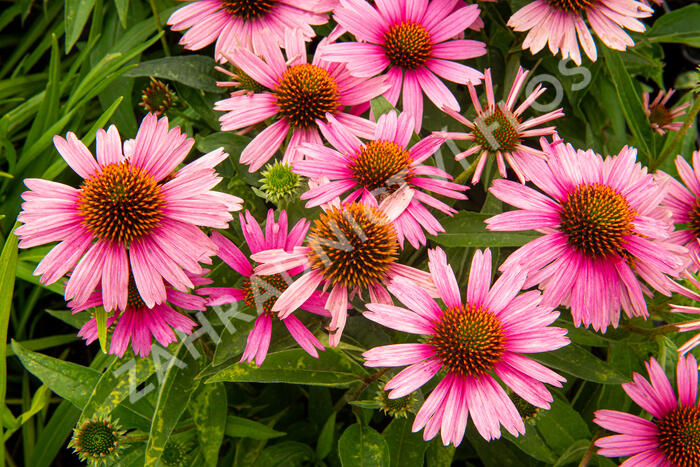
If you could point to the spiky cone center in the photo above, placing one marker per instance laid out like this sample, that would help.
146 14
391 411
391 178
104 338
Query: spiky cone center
660 115
261 292
305 93
121 203
173 454
469 340
397 408
279 182
679 436
354 245
95 439
572 6
407 45
381 166
157 97
133 300
694 215
248 9
596 219
246 82
496 129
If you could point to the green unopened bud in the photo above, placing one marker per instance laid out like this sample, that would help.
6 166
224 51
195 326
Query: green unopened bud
97 441
174 454
279 183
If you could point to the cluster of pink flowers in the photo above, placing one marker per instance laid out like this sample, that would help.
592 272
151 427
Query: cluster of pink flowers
131 239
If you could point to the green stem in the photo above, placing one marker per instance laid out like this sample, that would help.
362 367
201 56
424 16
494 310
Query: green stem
159 26
689 119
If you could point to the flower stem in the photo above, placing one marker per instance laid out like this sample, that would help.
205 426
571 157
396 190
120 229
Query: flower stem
689 119
159 27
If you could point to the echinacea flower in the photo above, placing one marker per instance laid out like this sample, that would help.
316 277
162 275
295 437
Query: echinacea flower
261 292
98 441
139 323
252 24
351 249
135 212
299 95
661 117
378 169
498 130
412 40
683 200
559 22
602 227
467 343
670 438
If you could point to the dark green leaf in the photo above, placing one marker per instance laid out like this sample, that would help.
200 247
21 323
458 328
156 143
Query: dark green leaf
77 14
467 229
286 453
324 445
332 368
680 26
362 446
405 447
209 411
630 102
196 71
238 427
532 444
69 380
561 426
579 362
380 106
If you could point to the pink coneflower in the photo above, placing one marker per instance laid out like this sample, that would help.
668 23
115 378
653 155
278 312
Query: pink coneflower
602 224
136 212
412 40
470 341
298 95
684 203
670 438
253 24
499 130
558 22
378 169
352 248
139 323
261 292
660 116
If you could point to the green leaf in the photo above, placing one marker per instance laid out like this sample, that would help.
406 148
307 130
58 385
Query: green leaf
561 426
122 11
630 103
46 342
68 380
286 453
196 71
53 436
174 393
532 444
39 401
115 384
101 321
438 455
209 411
573 453
324 445
76 15
405 447
238 427
380 106
468 229
679 26
332 368
8 266
579 362
362 446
